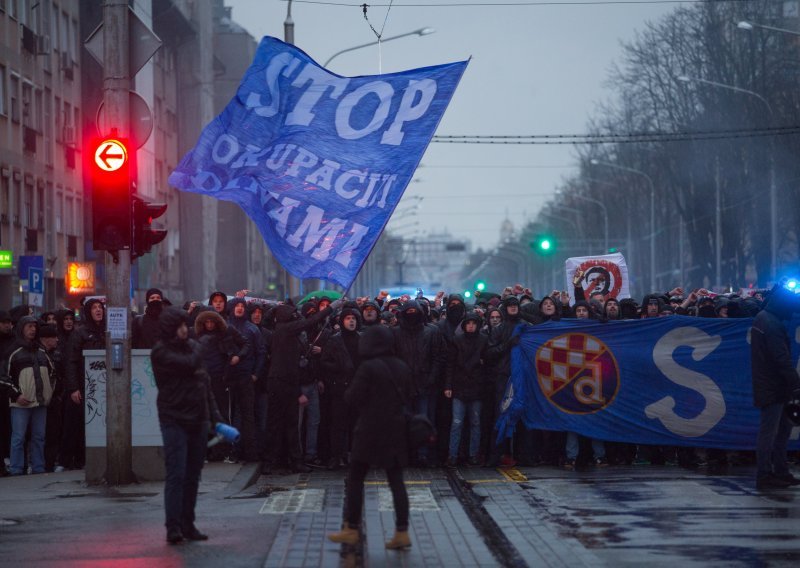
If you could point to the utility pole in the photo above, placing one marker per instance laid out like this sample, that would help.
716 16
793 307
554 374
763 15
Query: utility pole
116 87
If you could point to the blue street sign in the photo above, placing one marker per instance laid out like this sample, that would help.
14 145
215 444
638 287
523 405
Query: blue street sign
36 280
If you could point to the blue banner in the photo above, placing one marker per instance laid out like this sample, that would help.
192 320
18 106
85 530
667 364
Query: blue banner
317 160
674 381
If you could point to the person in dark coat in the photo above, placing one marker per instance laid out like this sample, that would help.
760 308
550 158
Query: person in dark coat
421 347
340 359
49 340
464 385
146 327
379 394
775 379
257 318
284 392
186 408
6 342
90 335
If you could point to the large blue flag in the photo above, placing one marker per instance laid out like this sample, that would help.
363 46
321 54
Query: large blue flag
317 160
675 381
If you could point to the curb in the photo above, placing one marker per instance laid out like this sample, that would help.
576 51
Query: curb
247 475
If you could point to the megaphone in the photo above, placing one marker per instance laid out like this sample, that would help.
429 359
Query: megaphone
225 433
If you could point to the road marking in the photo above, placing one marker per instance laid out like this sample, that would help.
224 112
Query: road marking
294 501
419 499
513 474
406 482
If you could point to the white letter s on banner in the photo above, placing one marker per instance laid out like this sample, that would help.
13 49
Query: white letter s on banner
702 345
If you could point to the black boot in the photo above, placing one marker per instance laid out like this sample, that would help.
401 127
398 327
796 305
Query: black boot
191 533
174 536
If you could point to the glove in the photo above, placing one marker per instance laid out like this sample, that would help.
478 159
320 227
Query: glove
336 304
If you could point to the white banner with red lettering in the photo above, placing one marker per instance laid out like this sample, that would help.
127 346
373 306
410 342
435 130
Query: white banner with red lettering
607 274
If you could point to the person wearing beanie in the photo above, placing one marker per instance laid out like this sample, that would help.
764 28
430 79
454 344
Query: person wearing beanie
28 382
464 386
186 408
145 327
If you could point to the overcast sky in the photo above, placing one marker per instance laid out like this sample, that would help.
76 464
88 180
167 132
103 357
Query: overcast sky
534 70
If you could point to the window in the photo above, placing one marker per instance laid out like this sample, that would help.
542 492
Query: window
27 104
41 210
5 194
79 225
17 197
38 109
14 94
59 212
3 88
64 33
27 207
68 216
59 126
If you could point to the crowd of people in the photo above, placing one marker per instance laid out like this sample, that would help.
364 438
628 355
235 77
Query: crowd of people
280 373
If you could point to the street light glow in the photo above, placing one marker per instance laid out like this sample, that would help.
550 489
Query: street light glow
744 25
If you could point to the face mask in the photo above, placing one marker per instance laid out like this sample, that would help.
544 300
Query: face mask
155 306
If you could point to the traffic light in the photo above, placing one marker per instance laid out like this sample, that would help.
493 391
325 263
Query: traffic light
144 236
111 194
544 244
612 250
467 294
480 285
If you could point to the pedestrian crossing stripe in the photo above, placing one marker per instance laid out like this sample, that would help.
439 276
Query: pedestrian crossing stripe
419 499
406 482
513 474
294 501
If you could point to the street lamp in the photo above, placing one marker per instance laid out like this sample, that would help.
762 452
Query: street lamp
420 32
748 26
687 79
773 200
596 162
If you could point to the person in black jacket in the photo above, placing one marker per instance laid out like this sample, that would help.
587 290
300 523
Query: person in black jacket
421 347
6 342
146 327
257 318
340 359
284 393
774 380
464 385
185 409
90 335
379 392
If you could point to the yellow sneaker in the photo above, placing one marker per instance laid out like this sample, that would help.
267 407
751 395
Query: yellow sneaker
400 540
348 535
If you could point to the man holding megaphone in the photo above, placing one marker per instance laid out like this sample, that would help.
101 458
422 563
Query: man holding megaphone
186 408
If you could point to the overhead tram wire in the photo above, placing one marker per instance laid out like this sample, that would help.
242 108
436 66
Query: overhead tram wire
515 4
566 139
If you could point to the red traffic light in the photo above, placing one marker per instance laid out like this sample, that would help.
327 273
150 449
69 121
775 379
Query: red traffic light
110 167
110 155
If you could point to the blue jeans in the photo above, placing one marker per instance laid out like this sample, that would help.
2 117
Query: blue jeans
312 418
773 436
598 447
20 418
460 410
184 453
425 404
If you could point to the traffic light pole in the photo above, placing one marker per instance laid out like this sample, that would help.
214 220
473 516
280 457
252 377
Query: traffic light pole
116 87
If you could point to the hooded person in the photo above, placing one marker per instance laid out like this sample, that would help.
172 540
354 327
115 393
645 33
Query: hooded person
464 385
453 315
65 323
222 348
7 338
340 359
775 382
628 310
550 309
90 335
219 301
285 395
498 369
370 314
652 305
583 310
47 317
379 395
145 326
28 381
421 347
259 314
186 408
611 310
